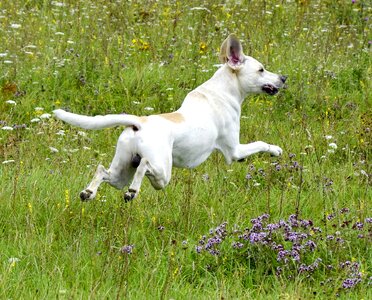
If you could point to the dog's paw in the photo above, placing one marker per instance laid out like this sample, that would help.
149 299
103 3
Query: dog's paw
128 196
86 195
275 150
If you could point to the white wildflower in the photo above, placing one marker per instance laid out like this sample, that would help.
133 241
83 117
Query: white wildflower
196 8
54 150
58 4
364 173
35 120
39 108
7 128
82 133
8 161
11 102
148 108
13 260
3 54
8 62
328 137
59 33
15 26
45 116
332 146
60 132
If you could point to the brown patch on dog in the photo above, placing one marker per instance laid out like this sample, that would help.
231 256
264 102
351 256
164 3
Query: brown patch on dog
173 117
142 119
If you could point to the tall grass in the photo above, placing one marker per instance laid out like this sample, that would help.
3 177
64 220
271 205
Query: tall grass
143 57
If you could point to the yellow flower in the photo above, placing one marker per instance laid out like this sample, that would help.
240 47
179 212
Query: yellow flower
202 48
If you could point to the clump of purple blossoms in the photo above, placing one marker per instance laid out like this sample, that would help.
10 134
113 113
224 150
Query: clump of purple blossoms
290 247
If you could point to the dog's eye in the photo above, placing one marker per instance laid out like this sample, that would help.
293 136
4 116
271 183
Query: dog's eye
261 70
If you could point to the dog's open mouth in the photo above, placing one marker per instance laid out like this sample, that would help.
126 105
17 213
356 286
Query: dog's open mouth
270 89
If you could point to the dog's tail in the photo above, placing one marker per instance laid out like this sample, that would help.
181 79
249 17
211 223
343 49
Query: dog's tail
97 122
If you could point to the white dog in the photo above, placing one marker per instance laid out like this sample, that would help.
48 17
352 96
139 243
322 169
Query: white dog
208 119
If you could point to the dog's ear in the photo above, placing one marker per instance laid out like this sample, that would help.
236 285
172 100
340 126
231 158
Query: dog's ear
232 52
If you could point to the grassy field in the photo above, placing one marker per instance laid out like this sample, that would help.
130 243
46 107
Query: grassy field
208 234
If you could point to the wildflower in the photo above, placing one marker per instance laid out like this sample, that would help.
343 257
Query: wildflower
128 249
350 283
237 245
330 217
53 150
15 26
311 245
205 177
35 120
5 162
11 102
45 116
358 226
161 228
330 237
7 128
13 260
202 48
332 146
368 220
344 210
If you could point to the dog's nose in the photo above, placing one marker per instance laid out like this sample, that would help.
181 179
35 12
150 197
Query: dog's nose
283 78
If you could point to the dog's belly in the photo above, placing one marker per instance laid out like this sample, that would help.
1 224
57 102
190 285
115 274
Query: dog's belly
191 153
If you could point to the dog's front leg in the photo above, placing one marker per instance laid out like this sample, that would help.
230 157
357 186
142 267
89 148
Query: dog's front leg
241 151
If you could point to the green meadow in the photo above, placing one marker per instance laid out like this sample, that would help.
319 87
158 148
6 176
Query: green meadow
294 227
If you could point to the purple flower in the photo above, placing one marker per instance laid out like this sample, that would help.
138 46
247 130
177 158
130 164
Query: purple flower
248 176
237 245
344 210
311 245
272 227
257 237
128 249
358 226
198 249
350 283
330 217
368 220
306 223
282 256
295 255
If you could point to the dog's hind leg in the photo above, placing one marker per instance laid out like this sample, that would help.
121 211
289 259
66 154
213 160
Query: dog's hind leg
159 177
101 175
133 189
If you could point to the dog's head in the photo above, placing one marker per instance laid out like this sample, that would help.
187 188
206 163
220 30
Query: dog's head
251 74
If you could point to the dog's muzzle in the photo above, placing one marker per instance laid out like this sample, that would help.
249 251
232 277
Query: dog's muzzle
272 89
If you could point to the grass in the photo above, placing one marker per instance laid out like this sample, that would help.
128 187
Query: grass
143 57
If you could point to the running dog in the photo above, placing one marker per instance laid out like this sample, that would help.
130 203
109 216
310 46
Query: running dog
208 119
